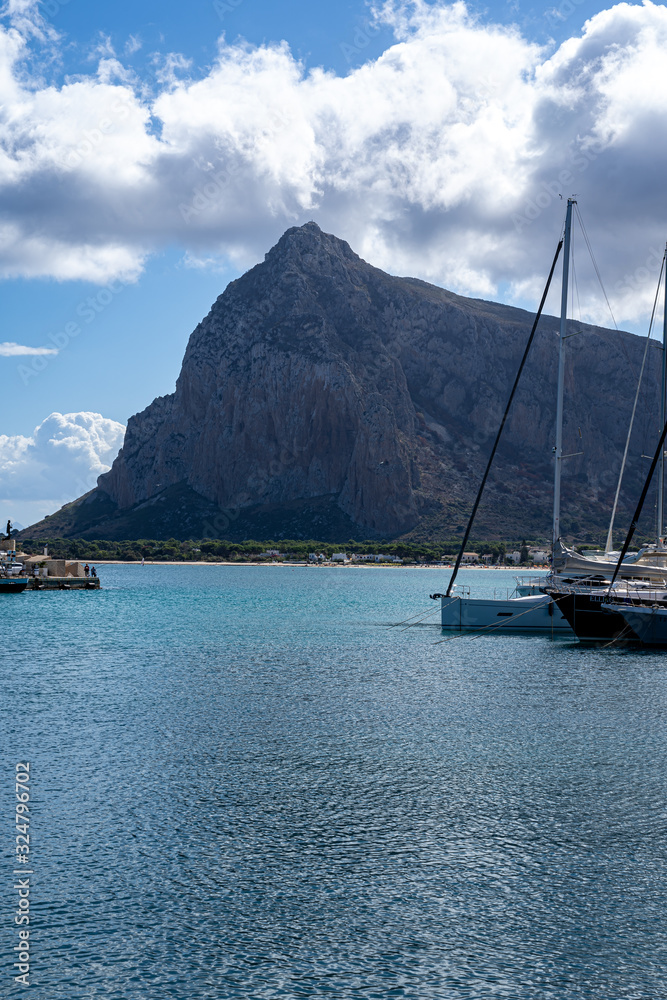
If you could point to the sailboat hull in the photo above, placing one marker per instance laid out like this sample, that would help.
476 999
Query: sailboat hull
535 615
590 619
648 625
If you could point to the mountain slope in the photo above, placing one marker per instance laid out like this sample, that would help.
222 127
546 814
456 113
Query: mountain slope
319 382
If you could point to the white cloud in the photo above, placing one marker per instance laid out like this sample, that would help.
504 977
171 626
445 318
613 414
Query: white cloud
60 460
12 350
133 44
443 158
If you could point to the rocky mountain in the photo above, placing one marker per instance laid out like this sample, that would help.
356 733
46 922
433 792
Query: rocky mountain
322 398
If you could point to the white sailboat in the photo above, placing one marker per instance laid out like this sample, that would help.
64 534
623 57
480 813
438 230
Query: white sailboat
530 609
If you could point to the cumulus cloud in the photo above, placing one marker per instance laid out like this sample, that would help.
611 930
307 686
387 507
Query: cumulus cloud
443 158
60 460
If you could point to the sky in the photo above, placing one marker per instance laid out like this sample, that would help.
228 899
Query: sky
151 152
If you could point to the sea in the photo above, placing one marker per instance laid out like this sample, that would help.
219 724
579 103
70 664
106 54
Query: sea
255 782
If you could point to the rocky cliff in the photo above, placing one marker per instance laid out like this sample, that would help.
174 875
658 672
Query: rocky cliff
321 395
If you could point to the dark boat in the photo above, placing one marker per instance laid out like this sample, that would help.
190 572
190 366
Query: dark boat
13 584
588 616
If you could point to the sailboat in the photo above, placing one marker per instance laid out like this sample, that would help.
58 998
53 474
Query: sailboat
591 612
542 606
529 609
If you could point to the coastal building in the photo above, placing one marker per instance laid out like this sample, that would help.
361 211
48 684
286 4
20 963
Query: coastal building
538 556
62 568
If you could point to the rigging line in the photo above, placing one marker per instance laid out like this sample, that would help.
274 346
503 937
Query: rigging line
575 289
629 362
597 270
412 624
621 635
609 546
599 277
502 423
635 519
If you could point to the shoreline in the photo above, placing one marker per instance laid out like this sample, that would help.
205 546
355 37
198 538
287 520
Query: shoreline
303 565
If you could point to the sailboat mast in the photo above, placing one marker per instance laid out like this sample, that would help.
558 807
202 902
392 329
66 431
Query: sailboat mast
558 450
663 392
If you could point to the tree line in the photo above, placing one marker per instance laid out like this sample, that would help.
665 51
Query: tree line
214 550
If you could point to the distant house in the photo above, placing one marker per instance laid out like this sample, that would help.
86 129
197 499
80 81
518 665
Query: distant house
270 554
469 557
487 559
539 556
514 557
339 557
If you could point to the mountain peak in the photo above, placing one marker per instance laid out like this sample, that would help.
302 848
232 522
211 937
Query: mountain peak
307 242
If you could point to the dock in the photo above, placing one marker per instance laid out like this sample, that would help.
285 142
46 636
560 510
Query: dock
42 572
63 583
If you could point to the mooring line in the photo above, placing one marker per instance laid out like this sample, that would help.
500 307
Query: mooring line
435 611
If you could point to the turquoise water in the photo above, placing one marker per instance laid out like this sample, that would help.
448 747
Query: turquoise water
244 784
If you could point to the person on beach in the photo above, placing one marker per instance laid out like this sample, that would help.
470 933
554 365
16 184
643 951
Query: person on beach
86 569
93 571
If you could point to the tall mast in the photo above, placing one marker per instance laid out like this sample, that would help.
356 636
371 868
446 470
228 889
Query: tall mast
558 450
663 391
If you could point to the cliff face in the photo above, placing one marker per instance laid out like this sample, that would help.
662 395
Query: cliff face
316 375
288 390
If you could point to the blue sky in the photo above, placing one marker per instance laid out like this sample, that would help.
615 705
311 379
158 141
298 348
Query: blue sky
434 137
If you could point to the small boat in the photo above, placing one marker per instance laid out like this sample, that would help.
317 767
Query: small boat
13 584
12 578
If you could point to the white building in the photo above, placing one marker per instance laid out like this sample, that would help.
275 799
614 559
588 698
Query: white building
539 556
